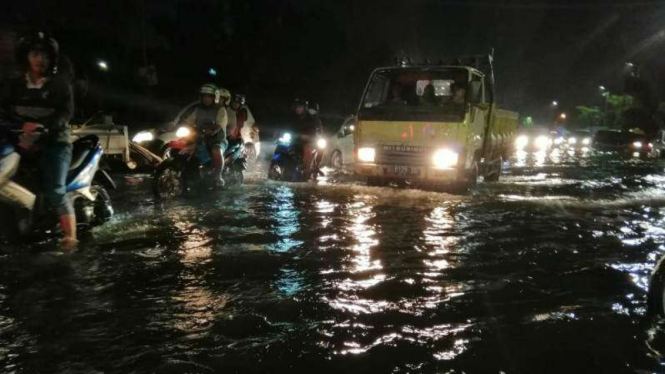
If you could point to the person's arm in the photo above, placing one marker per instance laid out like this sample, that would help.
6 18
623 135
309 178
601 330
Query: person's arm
64 107
222 121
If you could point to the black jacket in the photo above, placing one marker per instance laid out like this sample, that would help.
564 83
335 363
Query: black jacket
52 105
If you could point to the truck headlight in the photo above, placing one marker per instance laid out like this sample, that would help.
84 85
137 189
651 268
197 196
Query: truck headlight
143 136
366 154
586 141
637 144
183 132
521 142
445 158
285 138
542 142
321 143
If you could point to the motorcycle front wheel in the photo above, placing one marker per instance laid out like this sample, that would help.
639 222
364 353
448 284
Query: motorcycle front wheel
168 183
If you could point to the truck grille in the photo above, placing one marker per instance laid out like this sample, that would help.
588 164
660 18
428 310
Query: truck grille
402 155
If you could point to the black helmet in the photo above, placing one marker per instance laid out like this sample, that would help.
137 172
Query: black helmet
239 98
38 41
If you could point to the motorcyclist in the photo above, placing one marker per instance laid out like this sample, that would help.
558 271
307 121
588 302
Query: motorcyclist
210 119
232 131
244 117
42 98
306 126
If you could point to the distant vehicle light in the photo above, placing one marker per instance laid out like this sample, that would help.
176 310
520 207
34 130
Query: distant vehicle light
366 154
321 143
445 158
286 138
143 136
636 154
521 142
586 141
585 149
637 144
183 132
558 140
542 142
650 145
572 140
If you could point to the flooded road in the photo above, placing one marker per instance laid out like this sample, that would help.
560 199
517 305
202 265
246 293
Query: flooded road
545 271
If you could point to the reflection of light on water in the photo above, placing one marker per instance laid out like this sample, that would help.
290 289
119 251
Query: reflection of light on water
364 235
520 157
555 156
286 219
540 157
325 207
639 273
459 346
198 309
437 232
290 282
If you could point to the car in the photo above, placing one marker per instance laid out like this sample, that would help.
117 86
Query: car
626 143
533 140
340 149
158 139
578 139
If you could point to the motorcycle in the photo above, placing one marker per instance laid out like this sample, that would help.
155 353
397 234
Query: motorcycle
84 187
191 166
287 161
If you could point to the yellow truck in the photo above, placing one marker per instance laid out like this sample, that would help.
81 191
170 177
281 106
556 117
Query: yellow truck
432 125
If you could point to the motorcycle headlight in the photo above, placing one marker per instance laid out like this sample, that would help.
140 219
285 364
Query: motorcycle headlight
586 141
366 154
637 144
542 142
445 158
572 140
285 138
183 132
321 143
143 136
521 142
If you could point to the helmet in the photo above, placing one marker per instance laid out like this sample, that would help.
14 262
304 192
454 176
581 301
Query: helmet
210 89
239 98
300 102
223 92
38 41
313 109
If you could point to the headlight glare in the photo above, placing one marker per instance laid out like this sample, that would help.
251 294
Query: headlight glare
366 154
542 142
637 144
183 132
572 140
143 136
321 143
285 138
521 142
586 141
445 158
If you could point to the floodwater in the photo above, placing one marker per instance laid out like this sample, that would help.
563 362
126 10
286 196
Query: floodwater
544 271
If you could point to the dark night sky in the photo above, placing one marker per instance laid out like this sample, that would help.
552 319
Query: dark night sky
325 49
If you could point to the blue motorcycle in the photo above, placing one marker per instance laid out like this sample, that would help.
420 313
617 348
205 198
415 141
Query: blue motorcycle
288 163
86 184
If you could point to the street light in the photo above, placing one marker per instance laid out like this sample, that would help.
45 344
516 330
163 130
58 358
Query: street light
555 103
602 88
563 116
103 66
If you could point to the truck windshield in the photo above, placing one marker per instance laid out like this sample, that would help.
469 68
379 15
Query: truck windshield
404 93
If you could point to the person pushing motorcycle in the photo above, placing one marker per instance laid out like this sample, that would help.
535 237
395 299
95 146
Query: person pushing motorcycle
306 126
43 99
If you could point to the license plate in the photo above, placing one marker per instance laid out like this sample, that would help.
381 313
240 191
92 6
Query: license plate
406 170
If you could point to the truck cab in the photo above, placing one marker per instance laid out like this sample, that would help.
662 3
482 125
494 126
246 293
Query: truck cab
432 125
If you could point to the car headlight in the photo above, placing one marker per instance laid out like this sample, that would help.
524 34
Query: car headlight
637 144
321 143
542 142
285 138
366 154
521 142
586 141
445 158
572 140
143 136
183 132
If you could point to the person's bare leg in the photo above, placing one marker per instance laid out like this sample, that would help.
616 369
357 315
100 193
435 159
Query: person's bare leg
218 165
68 226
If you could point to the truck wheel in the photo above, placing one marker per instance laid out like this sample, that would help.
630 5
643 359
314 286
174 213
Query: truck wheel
495 171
